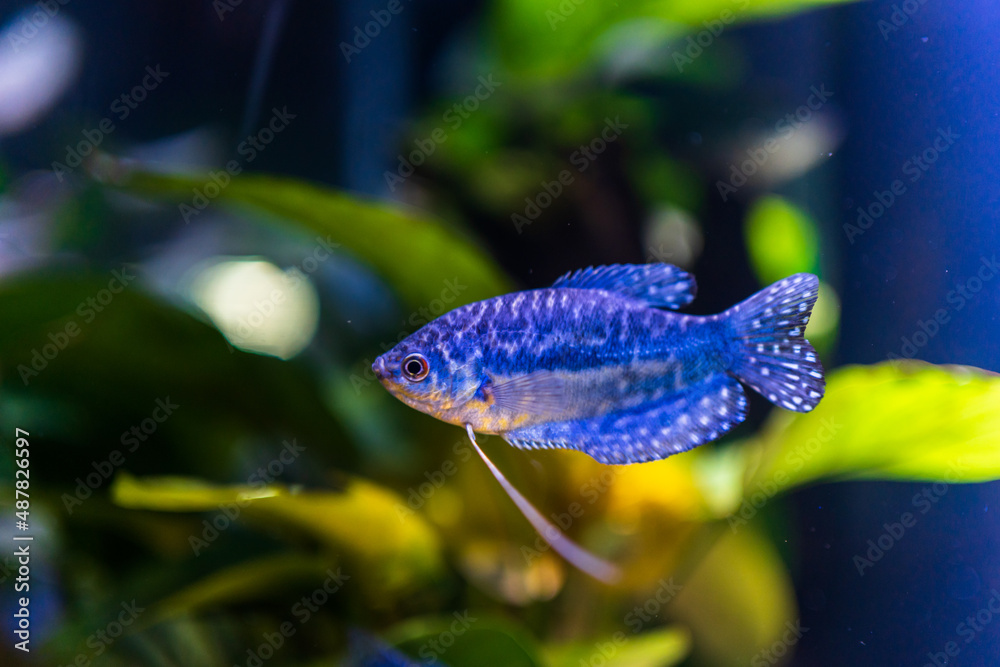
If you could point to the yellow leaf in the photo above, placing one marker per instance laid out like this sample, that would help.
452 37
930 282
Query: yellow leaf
364 521
908 421
738 599
658 648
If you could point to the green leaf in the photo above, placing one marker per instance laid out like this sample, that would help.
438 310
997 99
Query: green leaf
901 421
114 360
737 600
781 239
466 639
244 581
658 648
414 252
560 39
390 546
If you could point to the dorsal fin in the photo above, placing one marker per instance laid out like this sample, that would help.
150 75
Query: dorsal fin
661 285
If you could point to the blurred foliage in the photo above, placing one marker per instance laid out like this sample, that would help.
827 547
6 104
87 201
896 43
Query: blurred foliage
781 240
907 421
360 522
659 648
412 252
572 38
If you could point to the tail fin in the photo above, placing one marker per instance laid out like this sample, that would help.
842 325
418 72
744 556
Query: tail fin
771 354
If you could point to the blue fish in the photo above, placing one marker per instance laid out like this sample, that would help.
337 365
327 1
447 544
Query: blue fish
599 363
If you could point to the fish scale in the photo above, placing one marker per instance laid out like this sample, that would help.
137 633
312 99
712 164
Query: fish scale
554 338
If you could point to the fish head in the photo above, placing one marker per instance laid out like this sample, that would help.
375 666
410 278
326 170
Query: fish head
429 372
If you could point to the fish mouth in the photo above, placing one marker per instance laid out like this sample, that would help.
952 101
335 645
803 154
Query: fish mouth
400 389
381 372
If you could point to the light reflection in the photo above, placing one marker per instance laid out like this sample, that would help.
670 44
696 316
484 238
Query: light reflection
40 58
763 160
257 306
672 236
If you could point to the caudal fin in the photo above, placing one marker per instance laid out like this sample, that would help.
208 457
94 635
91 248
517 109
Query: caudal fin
771 352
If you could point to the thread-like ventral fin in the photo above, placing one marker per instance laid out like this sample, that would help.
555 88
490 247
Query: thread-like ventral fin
576 555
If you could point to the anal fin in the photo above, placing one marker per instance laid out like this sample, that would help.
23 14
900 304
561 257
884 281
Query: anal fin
649 432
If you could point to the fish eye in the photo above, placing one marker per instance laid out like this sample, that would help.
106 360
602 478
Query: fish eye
415 367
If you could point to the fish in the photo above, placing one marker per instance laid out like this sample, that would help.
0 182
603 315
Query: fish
601 363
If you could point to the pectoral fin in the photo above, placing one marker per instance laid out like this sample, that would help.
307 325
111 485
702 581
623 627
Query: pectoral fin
537 393
595 566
